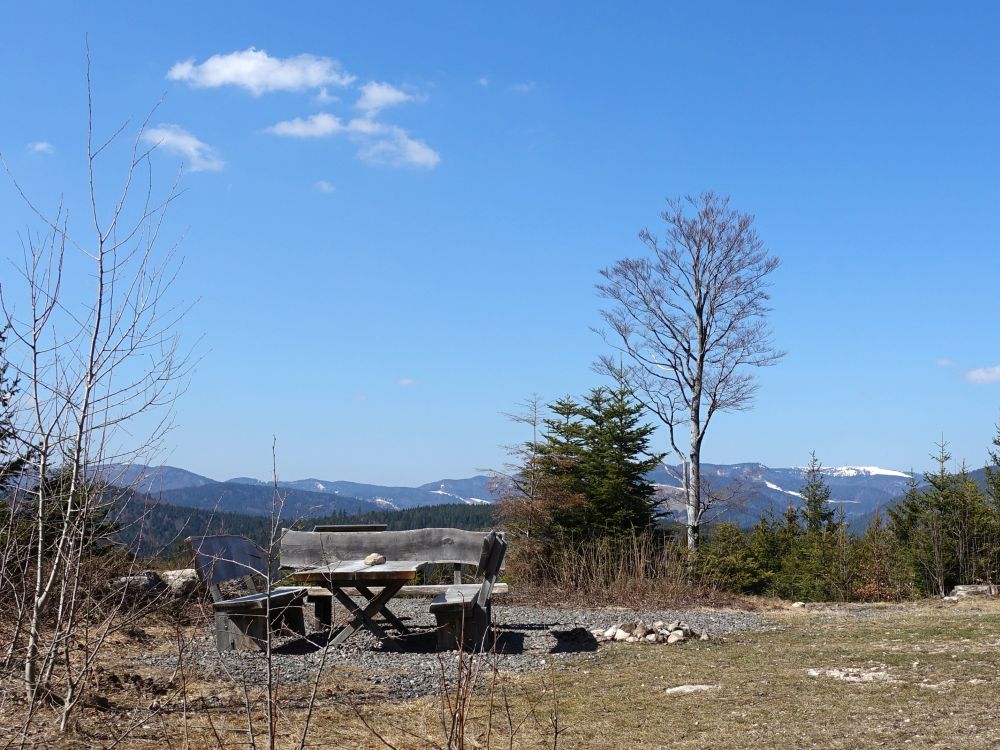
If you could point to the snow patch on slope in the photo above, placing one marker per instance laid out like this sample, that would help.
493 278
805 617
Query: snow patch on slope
772 486
872 471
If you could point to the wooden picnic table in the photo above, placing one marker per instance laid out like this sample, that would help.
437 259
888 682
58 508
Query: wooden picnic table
390 576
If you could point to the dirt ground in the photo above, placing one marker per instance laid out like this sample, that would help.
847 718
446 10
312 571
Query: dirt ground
922 675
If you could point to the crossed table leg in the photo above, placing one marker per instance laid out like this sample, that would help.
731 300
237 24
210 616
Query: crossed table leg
362 616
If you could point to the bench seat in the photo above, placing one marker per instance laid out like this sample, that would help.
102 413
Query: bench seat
280 597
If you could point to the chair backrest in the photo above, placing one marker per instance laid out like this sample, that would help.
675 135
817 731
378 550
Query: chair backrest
228 557
491 561
310 549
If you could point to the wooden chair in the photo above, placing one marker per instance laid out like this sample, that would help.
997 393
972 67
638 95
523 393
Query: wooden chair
464 612
241 622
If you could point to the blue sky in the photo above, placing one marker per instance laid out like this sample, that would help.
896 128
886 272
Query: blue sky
394 214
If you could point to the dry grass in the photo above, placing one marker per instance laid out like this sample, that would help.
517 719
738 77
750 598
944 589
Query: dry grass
933 678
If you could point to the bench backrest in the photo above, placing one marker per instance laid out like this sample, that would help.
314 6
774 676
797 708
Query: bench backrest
309 549
228 557
494 550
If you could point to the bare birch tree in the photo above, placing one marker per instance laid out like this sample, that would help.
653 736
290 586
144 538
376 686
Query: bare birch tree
92 340
690 320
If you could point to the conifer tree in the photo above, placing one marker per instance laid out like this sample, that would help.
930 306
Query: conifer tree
817 514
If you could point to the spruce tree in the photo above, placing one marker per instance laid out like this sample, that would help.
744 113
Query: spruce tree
597 454
817 514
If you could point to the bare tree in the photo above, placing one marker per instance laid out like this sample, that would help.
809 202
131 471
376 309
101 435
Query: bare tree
690 321
93 342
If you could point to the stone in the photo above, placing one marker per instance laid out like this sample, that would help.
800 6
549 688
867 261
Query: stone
704 636
640 629
610 632
180 583
659 625
975 590
676 637
374 559
799 605
651 637
145 583
621 635
631 639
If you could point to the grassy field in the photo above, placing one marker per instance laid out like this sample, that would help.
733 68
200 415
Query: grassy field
922 675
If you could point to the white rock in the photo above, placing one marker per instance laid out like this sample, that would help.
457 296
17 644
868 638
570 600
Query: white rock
180 582
651 637
610 632
631 639
799 605
621 635
374 559
704 636
689 689
675 637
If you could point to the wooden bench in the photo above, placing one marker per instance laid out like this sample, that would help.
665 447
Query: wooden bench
242 622
456 547
464 612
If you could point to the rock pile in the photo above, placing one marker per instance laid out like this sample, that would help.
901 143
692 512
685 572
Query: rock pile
637 631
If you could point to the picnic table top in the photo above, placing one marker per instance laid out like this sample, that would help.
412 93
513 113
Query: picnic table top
349 571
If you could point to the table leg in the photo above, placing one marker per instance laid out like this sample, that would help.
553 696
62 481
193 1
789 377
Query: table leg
384 611
363 616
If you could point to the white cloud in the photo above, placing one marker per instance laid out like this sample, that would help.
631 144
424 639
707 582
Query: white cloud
325 97
377 96
319 125
944 362
399 150
360 397
258 72
525 87
484 81
984 375
323 186
41 147
407 381
176 140
379 143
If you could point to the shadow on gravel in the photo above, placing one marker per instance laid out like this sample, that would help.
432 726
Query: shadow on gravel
573 641
422 641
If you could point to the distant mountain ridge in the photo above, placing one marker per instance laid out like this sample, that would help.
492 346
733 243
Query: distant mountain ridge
859 490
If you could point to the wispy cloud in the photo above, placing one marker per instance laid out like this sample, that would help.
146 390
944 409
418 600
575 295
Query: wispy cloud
319 125
484 81
174 139
323 186
379 143
258 72
944 362
525 87
407 381
984 375
398 149
377 96
324 97
360 397
41 147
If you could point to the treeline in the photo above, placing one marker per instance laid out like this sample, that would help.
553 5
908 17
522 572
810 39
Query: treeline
940 534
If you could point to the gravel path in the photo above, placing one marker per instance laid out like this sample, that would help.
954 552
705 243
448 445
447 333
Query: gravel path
530 638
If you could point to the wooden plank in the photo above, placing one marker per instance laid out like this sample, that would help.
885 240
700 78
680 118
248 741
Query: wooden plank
345 527
310 549
421 590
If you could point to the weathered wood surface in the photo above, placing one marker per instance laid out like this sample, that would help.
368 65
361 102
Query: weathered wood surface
349 571
226 557
316 592
280 597
311 549
346 527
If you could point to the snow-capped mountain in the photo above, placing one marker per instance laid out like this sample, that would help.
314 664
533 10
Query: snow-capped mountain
859 490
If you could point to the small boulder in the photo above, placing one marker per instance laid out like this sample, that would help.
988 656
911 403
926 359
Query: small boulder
676 637
799 605
180 583
651 637
374 559
610 632
622 635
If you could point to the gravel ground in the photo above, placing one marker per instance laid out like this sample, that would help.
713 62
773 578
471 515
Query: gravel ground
530 637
